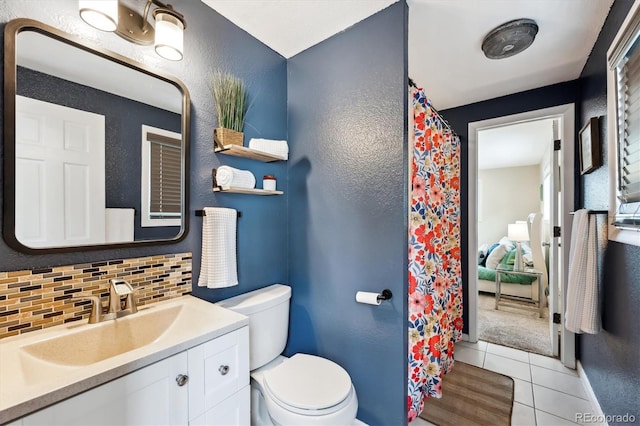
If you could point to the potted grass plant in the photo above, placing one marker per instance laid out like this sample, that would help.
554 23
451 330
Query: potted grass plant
230 99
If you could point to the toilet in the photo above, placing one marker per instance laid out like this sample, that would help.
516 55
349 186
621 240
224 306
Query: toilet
300 390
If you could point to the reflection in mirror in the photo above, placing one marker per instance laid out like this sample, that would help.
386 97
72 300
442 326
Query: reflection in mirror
100 146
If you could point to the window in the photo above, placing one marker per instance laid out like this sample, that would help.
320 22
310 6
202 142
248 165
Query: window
624 123
161 194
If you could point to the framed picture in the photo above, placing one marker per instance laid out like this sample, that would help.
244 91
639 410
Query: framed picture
589 146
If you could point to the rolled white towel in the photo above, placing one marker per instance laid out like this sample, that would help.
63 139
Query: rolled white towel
272 146
227 177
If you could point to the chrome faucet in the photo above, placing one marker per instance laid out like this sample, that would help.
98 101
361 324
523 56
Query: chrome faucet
121 298
121 302
96 308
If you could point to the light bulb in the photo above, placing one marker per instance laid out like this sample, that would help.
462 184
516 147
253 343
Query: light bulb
100 14
169 36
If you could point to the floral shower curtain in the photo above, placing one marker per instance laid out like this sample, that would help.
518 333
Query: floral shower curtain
435 287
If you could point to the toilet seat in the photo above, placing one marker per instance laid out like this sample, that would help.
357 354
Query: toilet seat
309 385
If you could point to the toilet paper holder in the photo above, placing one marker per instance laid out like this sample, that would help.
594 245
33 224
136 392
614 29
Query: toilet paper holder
385 295
371 298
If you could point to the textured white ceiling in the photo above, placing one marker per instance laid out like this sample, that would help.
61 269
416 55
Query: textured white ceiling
444 38
514 145
291 26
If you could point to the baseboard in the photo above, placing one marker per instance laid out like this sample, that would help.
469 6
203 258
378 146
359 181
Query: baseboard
465 337
592 396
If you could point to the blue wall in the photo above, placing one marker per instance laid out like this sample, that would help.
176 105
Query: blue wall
610 358
342 224
211 42
459 119
348 207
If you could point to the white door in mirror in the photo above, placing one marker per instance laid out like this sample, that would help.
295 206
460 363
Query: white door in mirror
60 175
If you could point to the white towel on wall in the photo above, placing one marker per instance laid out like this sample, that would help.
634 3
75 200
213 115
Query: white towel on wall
227 177
583 314
272 146
119 225
218 267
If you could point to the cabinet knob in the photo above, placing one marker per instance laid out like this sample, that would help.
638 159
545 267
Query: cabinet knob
182 379
224 369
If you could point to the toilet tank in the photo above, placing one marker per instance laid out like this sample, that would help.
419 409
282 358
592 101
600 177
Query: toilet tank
268 312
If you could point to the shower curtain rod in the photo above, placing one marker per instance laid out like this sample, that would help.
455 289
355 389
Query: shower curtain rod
444 121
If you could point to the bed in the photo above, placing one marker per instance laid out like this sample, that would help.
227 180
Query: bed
503 253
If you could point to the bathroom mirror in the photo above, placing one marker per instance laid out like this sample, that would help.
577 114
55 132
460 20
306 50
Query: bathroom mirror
96 146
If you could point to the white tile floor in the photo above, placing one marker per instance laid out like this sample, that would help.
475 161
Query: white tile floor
546 393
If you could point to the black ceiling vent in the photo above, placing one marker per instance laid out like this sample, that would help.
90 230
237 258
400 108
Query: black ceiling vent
509 38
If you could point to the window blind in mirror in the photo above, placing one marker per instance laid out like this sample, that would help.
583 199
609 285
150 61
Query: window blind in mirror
165 194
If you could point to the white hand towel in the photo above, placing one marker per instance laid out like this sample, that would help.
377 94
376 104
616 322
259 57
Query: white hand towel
271 146
227 177
119 225
218 266
583 314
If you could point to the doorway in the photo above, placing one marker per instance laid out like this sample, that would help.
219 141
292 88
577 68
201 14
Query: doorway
514 197
564 130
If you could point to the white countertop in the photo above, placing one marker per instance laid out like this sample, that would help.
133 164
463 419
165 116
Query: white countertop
29 383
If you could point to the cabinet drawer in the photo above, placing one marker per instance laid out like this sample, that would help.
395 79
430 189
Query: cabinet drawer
217 369
234 410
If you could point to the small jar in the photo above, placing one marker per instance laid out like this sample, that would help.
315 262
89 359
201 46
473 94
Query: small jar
269 182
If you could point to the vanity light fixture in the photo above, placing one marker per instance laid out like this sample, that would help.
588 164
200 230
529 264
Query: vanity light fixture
100 14
167 36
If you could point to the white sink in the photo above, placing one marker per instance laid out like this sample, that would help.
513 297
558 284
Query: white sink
43 367
107 339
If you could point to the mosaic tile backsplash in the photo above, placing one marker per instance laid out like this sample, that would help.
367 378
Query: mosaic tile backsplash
34 299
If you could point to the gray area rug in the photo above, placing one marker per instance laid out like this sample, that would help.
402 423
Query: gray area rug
471 396
514 324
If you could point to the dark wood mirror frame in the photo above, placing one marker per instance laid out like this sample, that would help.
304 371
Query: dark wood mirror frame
12 29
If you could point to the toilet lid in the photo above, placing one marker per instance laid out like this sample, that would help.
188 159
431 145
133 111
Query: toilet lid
308 382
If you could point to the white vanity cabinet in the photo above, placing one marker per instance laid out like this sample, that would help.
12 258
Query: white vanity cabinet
146 396
219 381
205 385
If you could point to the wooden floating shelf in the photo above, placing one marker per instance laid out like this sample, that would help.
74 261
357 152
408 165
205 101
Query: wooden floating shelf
241 151
252 191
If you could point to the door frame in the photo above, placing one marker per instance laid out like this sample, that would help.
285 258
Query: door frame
567 113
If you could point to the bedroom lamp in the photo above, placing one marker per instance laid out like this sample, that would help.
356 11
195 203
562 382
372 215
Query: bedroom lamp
518 232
